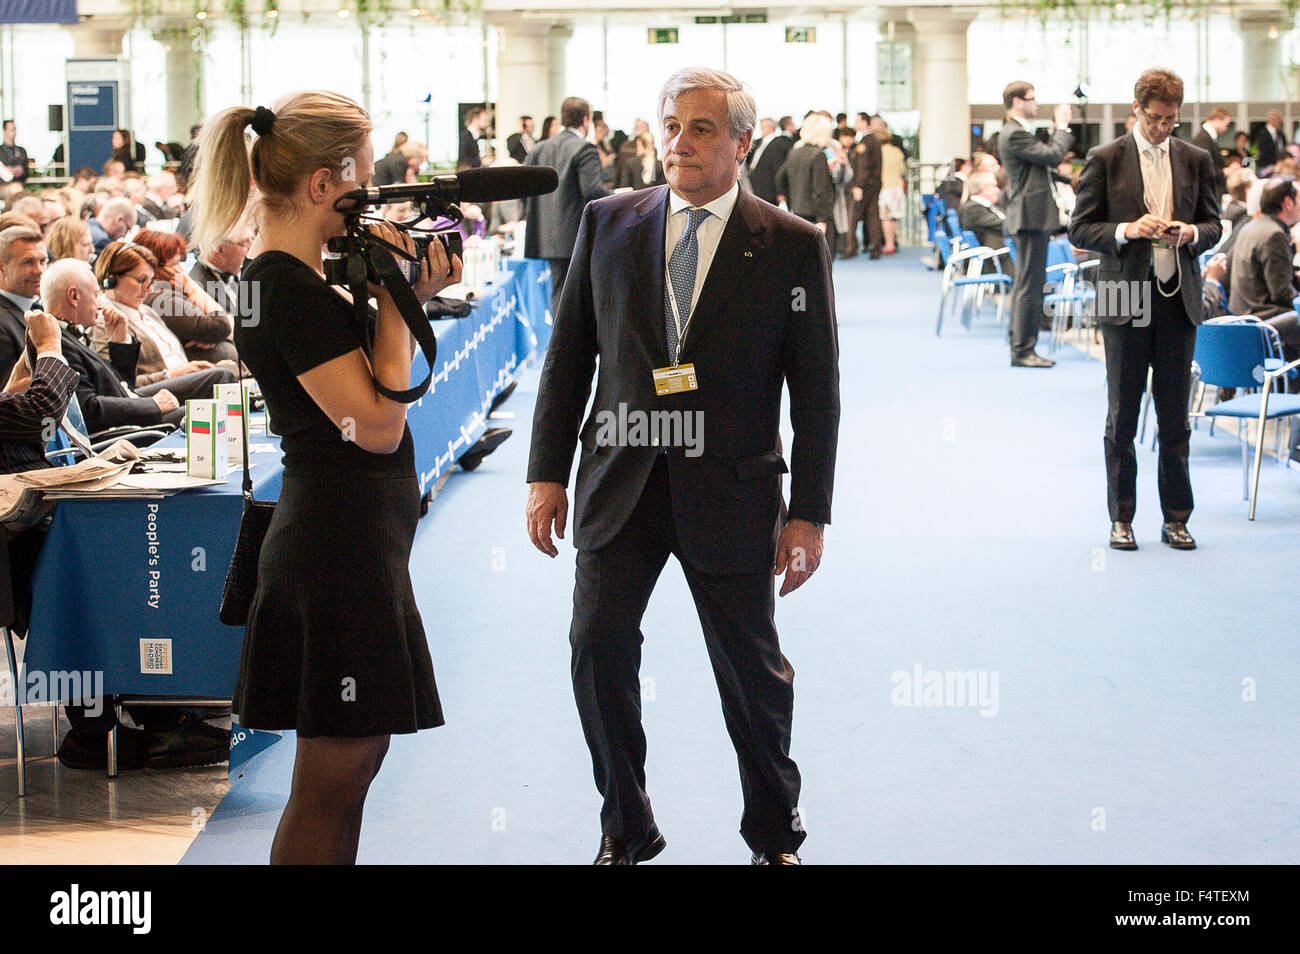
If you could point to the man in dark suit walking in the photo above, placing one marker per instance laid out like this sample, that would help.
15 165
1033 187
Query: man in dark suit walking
765 159
1207 137
702 302
553 218
1146 203
1032 213
1270 144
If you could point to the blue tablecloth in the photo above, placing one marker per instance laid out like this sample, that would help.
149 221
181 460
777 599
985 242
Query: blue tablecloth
131 588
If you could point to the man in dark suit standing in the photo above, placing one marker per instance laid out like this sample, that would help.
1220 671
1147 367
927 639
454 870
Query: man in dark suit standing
1207 137
1032 213
702 301
520 143
765 159
1270 144
1146 203
865 188
476 123
553 218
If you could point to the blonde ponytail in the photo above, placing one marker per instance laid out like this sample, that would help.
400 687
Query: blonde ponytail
302 133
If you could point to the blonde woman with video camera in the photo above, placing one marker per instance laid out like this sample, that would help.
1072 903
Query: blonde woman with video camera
334 647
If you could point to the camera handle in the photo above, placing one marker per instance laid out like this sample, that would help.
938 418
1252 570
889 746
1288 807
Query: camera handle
385 266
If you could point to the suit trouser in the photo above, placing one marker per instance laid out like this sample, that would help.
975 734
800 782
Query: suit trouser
868 213
755 680
1164 344
1027 290
559 269
193 386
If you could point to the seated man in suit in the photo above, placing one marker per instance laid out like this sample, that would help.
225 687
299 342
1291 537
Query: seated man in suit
68 290
217 270
980 214
22 262
31 405
1263 276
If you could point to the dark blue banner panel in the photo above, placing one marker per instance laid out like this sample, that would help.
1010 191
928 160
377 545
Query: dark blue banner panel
38 11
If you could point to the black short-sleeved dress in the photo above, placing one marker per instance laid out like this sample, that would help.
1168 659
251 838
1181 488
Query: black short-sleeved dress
334 644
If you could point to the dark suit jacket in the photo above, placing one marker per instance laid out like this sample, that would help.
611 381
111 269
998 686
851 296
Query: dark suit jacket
390 170
13 336
515 146
1031 200
866 160
630 172
469 154
1263 278
805 181
1202 139
553 218
219 286
1268 153
746 342
762 178
950 190
1110 192
103 401
24 418
989 231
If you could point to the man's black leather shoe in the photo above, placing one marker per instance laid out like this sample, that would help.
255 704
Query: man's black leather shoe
781 858
1031 360
615 851
190 744
86 748
1121 536
1174 533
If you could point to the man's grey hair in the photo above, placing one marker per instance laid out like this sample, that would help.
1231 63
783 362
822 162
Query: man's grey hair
120 205
742 112
60 276
16 233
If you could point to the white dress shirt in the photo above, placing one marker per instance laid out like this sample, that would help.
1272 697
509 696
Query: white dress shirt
980 200
1142 147
707 235
762 144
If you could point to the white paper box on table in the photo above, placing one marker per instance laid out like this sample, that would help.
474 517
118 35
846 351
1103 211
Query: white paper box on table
205 436
234 398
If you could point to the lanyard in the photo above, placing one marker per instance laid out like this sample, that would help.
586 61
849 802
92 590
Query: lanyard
677 318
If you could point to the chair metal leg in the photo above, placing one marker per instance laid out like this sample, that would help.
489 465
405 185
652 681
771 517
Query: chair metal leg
18 712
112 741
1259 449
1245 459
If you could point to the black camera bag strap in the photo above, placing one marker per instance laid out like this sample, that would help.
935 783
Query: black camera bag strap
385 266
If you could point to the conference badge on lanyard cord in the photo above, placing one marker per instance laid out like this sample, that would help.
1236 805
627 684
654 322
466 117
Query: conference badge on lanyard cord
679 377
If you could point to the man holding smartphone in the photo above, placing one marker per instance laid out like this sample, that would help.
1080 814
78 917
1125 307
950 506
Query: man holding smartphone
1149 229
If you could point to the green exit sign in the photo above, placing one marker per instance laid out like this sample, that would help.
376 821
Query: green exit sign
668 35
801 34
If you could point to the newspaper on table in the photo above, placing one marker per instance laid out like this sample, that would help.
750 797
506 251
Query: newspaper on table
28 497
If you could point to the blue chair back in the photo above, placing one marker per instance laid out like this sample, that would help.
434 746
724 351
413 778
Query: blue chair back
1058 251
944 246
969 238
1231 356
934 211
954 224
60 441
1011 249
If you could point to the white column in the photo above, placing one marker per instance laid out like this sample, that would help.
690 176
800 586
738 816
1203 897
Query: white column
1261 58
184 84
524 74
940 77
96 42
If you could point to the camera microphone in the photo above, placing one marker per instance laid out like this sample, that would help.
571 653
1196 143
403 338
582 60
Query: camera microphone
493 184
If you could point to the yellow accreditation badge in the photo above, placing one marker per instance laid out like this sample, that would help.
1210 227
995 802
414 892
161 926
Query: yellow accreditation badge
673 380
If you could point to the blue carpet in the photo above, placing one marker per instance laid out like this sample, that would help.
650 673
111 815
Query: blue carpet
1145 706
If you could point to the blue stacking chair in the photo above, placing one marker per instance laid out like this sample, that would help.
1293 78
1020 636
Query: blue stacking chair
1235 355
935 208
974 283
1058 251
1074 297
